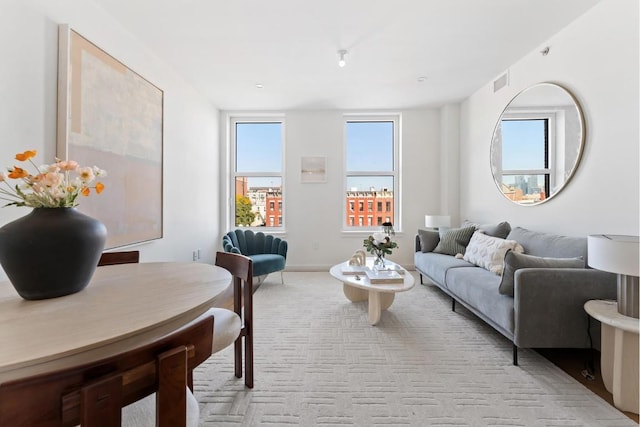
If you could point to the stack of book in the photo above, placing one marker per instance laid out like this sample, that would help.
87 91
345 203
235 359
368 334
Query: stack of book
384 276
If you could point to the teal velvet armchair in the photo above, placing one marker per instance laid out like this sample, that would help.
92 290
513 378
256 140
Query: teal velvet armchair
269 253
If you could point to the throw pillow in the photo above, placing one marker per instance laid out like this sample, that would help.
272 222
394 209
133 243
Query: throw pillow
501 229
488 252
514 261
428 240
454 240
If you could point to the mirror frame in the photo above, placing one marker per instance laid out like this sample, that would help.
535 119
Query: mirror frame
576 163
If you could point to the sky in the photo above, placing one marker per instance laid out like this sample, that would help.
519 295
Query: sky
370 148
523 144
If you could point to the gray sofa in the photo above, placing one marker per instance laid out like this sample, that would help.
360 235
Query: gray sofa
537 302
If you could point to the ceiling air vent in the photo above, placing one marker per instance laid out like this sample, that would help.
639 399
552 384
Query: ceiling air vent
501 82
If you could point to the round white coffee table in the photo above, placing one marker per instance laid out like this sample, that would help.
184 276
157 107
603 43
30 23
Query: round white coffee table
380 295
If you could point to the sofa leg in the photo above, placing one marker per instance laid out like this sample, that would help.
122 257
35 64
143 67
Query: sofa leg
453 304
515 355
421 282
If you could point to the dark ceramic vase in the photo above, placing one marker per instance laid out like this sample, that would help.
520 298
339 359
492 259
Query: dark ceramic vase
51 252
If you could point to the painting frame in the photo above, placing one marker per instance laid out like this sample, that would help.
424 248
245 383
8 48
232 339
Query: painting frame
313 169
112 117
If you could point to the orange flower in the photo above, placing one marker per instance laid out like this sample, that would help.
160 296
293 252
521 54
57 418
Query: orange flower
17 173
26 155
99 187
86 191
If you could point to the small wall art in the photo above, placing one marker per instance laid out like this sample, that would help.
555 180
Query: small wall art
313 169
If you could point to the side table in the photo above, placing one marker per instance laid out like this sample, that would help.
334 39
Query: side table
619 353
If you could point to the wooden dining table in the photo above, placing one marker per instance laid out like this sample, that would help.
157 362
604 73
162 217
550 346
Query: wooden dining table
123 306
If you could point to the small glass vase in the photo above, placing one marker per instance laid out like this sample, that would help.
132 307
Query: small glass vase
379 262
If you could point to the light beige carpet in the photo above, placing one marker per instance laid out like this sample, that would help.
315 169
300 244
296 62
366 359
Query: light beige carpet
319 363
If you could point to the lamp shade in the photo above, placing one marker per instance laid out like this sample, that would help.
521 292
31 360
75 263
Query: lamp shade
614 253
437 221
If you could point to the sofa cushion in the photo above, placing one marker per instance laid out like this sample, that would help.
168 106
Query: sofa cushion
454 240
478 288
488 252
514 261
428 240
500 229
435 265
549 245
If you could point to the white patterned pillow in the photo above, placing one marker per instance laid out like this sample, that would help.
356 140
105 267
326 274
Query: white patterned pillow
488 252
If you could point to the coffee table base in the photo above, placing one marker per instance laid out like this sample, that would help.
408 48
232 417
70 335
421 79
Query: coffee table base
378 301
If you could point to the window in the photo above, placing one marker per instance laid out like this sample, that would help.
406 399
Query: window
371 167
257 147
527 172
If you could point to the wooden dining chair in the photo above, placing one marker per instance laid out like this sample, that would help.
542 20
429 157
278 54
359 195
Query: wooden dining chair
241 268
232 322
94 394
122 257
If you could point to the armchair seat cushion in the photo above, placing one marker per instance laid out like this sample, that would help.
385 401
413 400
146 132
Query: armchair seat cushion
267 263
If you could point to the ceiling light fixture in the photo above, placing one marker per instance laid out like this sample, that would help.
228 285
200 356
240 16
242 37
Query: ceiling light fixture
341 54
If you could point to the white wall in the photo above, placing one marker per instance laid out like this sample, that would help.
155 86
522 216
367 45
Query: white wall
314 212
28 48
595 57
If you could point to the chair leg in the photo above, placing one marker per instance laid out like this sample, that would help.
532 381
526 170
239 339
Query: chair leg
281 277
237 345
248 335
248 360
237 350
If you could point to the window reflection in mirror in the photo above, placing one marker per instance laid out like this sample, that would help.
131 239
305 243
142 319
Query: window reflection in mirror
537 144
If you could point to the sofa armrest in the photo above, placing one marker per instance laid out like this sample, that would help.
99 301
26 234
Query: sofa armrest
549 305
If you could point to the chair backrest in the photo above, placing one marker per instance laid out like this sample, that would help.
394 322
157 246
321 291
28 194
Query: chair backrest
124 257
250 243
93 394
238 265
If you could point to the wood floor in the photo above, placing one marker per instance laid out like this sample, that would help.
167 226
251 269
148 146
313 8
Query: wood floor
574 361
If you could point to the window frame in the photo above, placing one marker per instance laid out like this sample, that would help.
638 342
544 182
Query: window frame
395 119
549 173
233 121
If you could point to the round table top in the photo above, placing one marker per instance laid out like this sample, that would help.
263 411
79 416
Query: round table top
606 311
122 304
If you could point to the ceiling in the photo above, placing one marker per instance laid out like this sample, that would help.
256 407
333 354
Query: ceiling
226 48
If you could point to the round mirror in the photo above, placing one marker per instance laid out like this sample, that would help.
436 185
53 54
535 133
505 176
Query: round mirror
537 144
